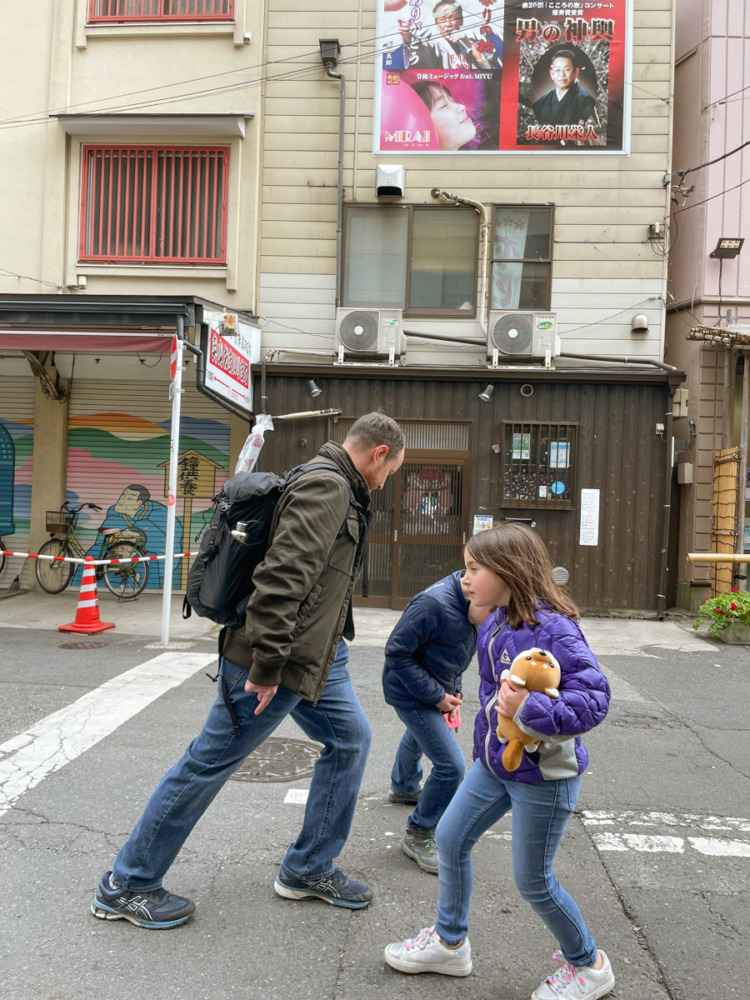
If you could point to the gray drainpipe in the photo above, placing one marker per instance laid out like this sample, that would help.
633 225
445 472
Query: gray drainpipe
340 198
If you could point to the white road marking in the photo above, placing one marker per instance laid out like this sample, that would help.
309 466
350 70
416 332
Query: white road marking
49 744
618 840
296 796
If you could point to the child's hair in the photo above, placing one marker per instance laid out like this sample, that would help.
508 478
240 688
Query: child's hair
520 557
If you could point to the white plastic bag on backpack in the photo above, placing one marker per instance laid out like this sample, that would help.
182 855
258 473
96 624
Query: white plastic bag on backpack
253 443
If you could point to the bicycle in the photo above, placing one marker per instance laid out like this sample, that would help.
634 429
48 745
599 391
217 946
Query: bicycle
125 580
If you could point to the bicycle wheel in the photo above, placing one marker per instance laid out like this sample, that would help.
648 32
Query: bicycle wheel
54 576
125 580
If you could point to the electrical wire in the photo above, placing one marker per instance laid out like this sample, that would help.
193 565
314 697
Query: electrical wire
705 200
691 170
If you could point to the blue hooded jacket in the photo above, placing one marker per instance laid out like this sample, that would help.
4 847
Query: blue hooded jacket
557 722
430 647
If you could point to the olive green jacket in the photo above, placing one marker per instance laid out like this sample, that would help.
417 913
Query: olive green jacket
301 605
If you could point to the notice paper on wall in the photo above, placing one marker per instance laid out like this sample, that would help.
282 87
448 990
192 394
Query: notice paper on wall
589 534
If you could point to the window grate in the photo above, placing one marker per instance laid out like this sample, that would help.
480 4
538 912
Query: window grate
154 204
120 11
539 465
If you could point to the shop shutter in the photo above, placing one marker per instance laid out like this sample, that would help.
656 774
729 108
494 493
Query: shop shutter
119 437
16 464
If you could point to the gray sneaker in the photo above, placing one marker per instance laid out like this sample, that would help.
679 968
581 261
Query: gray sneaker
401 799
421 847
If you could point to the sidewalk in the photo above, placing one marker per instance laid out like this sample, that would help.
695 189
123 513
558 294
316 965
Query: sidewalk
143 617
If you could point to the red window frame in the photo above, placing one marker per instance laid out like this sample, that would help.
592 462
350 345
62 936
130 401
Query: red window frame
154 204
125 11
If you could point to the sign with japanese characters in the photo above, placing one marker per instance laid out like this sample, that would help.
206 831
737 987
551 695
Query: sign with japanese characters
502 76
231 348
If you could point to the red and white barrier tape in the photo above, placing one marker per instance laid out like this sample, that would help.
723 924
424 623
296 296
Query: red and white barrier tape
95 562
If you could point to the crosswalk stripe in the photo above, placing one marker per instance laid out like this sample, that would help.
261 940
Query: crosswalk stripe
49 744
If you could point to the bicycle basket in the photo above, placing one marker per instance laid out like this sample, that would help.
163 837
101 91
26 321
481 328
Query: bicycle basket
58 521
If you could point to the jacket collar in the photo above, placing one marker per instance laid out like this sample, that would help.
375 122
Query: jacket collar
336 455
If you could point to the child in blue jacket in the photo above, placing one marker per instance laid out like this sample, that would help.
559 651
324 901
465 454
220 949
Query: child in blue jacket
427 652
508 568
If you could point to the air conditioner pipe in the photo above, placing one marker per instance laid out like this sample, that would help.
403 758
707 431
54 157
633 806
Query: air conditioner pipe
340 187
625 361
485 216
451 340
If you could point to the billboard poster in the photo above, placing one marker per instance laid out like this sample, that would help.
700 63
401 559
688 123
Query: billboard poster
502 76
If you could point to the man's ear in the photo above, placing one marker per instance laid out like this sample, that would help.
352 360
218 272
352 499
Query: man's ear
380 453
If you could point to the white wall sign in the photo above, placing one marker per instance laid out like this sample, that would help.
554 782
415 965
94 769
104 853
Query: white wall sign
228 359
589 534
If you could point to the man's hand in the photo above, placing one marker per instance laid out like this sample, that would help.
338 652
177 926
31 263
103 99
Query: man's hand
264 694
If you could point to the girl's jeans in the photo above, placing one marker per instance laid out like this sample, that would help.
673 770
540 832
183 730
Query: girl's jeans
540 812
427 733
185 792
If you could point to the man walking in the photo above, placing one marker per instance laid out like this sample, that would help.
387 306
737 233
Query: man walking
287 659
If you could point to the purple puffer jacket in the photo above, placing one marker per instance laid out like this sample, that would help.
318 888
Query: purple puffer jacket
557 722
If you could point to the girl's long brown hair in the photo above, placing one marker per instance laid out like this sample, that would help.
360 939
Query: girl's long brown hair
520 557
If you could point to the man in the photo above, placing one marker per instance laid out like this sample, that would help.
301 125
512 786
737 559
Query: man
567 103
453 48
287 659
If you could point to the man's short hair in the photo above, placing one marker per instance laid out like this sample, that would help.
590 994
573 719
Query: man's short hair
449 3
374 429
566 54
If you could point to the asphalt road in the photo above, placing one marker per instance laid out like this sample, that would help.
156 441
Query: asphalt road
657 855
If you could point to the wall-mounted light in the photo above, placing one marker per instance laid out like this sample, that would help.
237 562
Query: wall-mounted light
313 388
329 51
486 394
726 248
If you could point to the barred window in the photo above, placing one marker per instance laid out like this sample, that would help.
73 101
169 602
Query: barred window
538 467
154 204
121 11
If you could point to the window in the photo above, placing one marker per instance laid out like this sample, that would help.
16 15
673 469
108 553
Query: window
119 11
154 204
419 259
538 465
521 257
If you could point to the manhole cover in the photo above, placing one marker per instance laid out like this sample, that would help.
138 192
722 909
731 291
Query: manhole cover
84 644
279 759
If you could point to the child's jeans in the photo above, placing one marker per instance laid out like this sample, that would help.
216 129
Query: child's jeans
540 812
427 733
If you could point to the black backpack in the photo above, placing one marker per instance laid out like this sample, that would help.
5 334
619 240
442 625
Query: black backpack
219 583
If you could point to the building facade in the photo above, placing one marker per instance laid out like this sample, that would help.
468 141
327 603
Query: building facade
380 196
708 317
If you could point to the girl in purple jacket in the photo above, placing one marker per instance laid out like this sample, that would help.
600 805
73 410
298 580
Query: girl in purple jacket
508 568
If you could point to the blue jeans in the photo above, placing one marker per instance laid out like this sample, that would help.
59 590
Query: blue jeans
185 792
540 812
427 733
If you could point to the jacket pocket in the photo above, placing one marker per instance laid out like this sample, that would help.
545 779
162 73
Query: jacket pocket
345 550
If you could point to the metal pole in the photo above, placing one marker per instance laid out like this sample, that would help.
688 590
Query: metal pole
174 450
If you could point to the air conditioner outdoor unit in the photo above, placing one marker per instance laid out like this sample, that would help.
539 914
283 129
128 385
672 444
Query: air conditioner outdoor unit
522 336
370 333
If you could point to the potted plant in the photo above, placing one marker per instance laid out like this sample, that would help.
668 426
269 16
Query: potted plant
727 616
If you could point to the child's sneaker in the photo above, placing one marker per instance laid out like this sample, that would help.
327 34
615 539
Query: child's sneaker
421 847
157 909
576 982
427 953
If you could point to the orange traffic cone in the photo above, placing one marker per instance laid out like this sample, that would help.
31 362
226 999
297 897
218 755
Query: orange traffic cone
87 613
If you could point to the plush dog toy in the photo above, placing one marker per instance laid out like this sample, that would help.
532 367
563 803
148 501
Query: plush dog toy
535 670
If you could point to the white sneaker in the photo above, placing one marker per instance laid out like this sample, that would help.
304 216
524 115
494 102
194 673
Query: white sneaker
576 982
427 953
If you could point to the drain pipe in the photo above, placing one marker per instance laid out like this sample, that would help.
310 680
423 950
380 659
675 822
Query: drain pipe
484 214
329 53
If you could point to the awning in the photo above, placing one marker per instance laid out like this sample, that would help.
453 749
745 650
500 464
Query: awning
93 341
